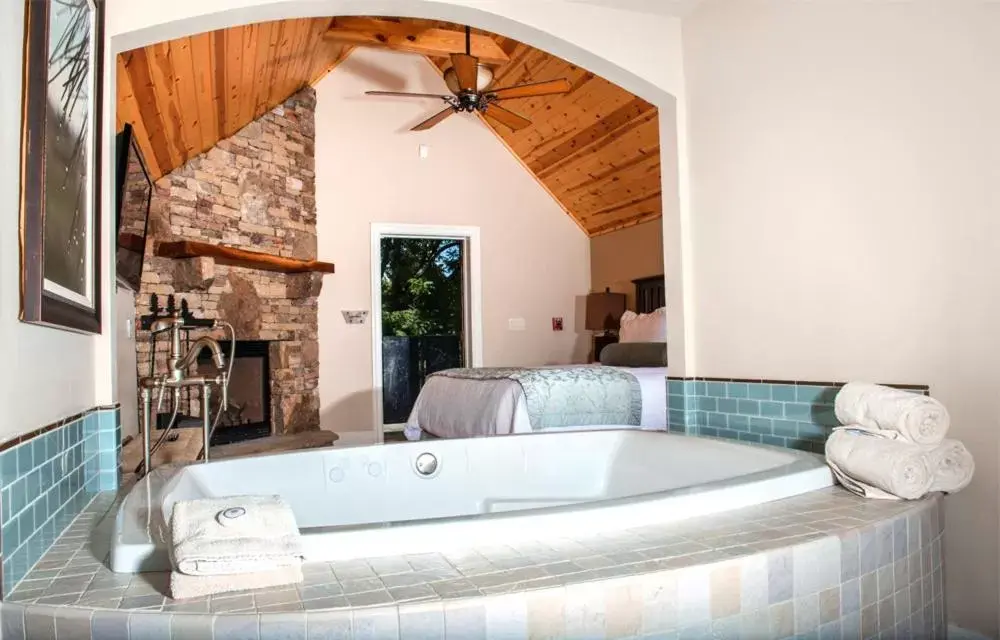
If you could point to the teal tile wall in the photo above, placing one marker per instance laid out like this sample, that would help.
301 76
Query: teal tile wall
47 481
794 415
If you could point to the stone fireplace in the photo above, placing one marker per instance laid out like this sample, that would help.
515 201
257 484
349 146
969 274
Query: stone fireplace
254 190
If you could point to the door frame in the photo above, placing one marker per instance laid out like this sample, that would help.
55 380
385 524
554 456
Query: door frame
473 296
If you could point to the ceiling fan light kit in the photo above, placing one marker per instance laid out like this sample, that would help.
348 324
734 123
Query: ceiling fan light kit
469 82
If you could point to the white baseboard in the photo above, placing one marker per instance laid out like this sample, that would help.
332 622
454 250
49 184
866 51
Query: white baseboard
958 633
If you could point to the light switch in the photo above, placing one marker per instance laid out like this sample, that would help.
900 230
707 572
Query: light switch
423 150
516 324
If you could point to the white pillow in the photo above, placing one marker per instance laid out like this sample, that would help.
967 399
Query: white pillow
644 327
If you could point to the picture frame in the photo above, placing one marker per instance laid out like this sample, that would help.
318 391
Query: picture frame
60 204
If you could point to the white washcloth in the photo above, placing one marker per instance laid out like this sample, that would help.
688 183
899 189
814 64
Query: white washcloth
952 465
184 586
918 418
236 534
878 464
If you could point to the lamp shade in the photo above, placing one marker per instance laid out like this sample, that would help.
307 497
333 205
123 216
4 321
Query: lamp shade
604 310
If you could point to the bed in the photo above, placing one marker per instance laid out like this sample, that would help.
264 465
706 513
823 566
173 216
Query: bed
462 403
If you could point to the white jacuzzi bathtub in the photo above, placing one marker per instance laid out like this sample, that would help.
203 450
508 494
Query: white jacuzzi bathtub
372 501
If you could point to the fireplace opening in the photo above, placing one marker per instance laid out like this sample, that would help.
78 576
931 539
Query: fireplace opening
248 414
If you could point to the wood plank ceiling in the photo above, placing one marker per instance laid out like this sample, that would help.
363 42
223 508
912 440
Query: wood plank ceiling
595 149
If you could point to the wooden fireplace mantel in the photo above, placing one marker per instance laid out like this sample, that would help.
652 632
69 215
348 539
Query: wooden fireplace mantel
240 257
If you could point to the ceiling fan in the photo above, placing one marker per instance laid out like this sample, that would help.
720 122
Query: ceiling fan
469 81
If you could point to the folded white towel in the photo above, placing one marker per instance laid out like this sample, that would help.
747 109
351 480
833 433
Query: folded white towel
184 586
878 464
918 418
237 534
952 465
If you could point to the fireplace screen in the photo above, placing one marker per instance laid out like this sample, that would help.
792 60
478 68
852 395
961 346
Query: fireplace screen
249 412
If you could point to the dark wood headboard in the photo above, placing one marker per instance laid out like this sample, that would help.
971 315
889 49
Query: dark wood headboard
650 294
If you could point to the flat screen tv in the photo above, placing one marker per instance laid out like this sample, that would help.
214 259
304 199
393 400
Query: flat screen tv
133 192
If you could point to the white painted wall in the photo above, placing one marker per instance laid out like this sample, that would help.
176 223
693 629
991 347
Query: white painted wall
535 260
48 374
845 171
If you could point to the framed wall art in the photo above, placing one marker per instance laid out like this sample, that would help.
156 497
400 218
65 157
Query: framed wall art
60 164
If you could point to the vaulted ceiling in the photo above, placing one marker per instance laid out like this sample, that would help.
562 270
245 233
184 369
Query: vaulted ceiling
595 149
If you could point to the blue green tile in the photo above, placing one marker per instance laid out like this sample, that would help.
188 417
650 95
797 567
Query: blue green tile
729 433
783 392
33 487
8 467
749 437
825 416
675 387
677 401
815 395
798 411
760 425
740 423
788 428
810 431
772 409
773 440
674 416
729 405
11 539
107 440
708 431
707 404
718 420
750 407
25 524
700 388
25 461
18 497
737 389
715 389
38 450
758 391
108 460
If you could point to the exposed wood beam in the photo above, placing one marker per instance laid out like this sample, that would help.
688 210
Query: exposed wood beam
412 38
624 118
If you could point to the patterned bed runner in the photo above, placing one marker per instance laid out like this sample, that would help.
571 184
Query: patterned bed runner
568 396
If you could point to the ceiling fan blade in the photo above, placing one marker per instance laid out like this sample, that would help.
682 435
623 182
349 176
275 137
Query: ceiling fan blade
505 117
404 94
433 120
549 87
466 70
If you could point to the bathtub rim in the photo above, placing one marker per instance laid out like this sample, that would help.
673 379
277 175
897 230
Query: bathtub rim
143 550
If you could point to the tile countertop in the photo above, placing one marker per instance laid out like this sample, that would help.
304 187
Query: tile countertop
73 572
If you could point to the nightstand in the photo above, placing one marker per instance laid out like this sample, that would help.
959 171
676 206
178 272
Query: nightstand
600 342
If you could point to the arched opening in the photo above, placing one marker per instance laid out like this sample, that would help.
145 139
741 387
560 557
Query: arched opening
179 25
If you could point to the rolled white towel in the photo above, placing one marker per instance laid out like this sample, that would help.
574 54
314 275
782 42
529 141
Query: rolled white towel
918 418
872 465
952 465
235 534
